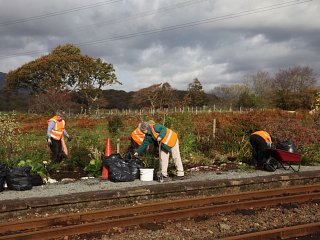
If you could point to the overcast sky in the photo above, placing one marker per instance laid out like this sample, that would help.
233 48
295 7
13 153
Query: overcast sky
175 41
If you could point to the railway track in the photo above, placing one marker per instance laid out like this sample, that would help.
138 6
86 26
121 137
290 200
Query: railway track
106 219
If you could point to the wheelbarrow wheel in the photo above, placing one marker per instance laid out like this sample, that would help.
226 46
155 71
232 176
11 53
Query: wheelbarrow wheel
271 164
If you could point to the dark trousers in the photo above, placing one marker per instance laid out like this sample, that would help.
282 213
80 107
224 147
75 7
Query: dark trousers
56 151
134 145
259 146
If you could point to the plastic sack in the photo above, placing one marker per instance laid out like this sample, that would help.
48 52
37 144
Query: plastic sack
19 179
118 169
134 164
36 180
3 173
287 145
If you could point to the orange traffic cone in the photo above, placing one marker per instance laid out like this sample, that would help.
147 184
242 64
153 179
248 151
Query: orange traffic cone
107 152
105 173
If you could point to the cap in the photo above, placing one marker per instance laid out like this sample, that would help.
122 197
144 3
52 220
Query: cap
143 126
60 113
151 122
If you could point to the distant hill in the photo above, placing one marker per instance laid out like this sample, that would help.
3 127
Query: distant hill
2 76
118 98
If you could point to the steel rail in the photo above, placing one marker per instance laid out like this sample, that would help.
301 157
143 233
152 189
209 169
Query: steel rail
151 207
280 233
82 228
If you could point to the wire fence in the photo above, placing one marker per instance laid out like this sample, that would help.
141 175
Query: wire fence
154 111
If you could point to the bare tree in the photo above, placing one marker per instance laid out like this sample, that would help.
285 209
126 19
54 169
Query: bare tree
294 88
165 95
154 96
50 101
229 95
259 84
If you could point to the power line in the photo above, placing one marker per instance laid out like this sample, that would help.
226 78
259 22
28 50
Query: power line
176 27
146 13
195 23
53 14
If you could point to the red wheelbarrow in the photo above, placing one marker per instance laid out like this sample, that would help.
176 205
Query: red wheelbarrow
285 159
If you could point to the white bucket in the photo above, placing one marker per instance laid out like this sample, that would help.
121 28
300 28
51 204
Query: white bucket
146 174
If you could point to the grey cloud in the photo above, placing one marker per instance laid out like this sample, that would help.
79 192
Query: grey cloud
219 52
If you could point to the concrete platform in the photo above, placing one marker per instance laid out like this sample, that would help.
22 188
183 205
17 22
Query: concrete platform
105 193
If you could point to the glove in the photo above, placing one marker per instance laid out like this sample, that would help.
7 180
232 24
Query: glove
136 154
49 141
159 139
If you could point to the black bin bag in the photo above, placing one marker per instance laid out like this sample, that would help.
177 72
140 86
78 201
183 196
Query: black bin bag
118 169
134 164
3 173
19 178
287 145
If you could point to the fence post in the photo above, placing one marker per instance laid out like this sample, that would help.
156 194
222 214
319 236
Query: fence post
214 128
118 145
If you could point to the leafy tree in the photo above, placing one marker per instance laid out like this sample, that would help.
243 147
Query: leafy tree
248 100
294 88
64 69
195 95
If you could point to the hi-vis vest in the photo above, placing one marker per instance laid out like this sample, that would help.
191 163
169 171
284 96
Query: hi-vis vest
264 135
169 139
57 131
137 136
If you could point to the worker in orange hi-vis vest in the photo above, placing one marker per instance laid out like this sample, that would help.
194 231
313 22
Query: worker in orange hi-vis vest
260 141
137 136
168 143
55 133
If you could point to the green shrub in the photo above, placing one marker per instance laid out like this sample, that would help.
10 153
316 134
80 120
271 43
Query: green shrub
9 137
93 169
311 154
80 157
36 167
115 124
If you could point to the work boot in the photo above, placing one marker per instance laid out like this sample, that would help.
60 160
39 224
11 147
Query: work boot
177 178
166 179
160 177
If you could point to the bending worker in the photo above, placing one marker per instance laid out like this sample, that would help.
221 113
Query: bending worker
259 140
56 131
168 142
137 136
